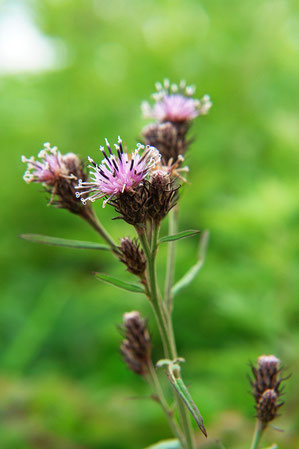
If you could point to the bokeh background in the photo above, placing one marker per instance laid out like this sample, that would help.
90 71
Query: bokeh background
75 72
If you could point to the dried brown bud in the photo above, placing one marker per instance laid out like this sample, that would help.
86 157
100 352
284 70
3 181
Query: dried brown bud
266 387
162 195
132 204
132 256
136 347
169 138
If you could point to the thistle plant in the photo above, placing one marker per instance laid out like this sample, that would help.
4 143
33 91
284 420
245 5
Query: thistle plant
143 187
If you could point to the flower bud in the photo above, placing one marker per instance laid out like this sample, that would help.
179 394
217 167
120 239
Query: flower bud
136 346
266 385
132 256
267 406
168 138
162 195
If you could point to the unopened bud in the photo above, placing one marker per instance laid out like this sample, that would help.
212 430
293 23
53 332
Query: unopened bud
162 195
136 346
170 139
267 406
266 385
132 256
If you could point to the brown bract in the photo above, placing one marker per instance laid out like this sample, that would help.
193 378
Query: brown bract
136 346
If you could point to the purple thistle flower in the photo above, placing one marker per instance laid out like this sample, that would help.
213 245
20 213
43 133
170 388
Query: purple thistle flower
175 103
118 174
48 169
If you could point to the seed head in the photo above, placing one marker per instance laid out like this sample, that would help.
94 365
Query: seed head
136 346
132 256
174 103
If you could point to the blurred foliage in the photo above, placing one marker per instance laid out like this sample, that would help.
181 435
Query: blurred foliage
63 384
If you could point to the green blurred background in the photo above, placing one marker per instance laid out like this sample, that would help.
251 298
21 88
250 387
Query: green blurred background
75 72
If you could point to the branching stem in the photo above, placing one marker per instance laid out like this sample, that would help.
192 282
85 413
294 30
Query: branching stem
164 322
90 217
153 379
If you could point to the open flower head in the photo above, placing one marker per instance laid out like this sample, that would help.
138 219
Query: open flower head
119 173
59 174
47 169
175 103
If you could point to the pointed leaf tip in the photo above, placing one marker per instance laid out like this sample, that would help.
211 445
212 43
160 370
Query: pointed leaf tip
183 392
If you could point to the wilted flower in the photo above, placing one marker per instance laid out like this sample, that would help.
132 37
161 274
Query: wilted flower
132 256
119 174
174 103
136 347
59 174
266 386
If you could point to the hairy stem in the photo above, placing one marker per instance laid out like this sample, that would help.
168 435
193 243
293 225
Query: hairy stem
259 428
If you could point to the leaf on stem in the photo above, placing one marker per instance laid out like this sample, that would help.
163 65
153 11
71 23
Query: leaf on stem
55 241
130 287
193 271
181 389
166 444
178 236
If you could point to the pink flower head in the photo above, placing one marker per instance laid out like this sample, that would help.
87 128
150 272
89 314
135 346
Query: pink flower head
117 174
48 169
175 103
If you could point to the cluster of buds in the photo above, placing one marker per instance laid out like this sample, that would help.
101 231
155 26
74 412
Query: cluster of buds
266 385
136 346
58 174
174 109
130 183
132 256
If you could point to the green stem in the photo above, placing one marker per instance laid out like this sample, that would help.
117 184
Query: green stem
153 378
259 428
172 229
164 325
93 220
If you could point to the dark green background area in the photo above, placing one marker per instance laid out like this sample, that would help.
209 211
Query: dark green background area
62 382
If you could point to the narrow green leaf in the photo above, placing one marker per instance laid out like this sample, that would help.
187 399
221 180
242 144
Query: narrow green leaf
55 241
183 392
166 444
130 287
274 446
193 271
180 235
